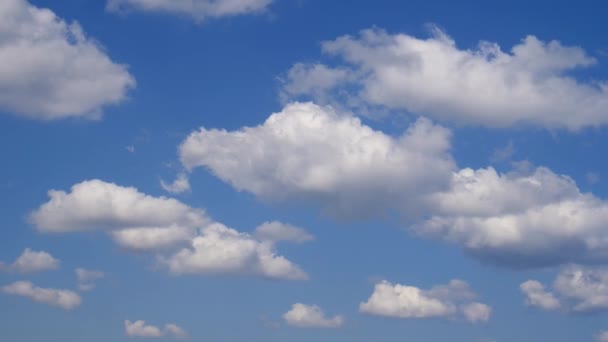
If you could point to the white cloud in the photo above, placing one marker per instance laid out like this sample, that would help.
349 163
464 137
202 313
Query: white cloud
576 289
308 152
277 231
444 301
219 249
311 316
197 9
50 70
537 296
141 329
530 84
477 312
86 278
136 220
64 299
183 238
520 219
32 261
179 185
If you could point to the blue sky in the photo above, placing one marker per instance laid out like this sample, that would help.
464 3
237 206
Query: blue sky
351 172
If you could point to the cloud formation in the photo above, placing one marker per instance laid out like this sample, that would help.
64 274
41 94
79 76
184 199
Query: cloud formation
32 261
179 185
184 239
86 278
312 153
520 219
443 301
576 289
197 9
278 231
141 329
51 70
311 316
532 84
65 299
135 220
219 249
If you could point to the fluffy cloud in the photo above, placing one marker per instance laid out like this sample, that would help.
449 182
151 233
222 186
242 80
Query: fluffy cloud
520 219
219 249
537 296
197 9
445 301
308 152
179 185
141 329
278 231
184 239
310 316
86 278
50 70
135 220
64 299
576 289
32 261
530 84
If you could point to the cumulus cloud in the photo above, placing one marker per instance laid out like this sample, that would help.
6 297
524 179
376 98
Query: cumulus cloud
32 261
444 301
135 220
197 9
520 219
86 278
65 299
311 316
576 289
179 185
278 231
219 249
530 84
183 238
312 153
537 296
141 329
49 68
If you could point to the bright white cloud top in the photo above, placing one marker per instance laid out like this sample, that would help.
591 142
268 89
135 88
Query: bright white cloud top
311 153
183 238
532 84
32 261
576 289
65 299
197 9
443 301
311 316
143 330
50 69
520 219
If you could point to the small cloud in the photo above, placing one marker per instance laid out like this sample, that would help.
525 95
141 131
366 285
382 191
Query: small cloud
179 185
32 261
277 231
130 148
65 299
141 329
311 316
504 153
86 278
